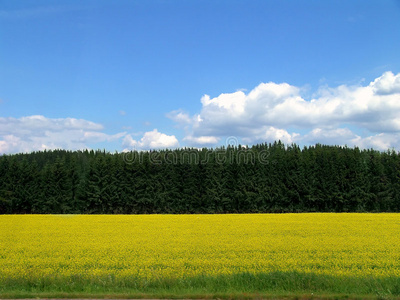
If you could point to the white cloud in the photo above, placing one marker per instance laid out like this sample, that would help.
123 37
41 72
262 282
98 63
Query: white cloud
271 111
151 140
271 134
381 141
345 137
276 111
179 116
34 133
337 136
201 140
38 125
387 84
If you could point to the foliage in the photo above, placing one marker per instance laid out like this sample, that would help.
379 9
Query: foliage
263 178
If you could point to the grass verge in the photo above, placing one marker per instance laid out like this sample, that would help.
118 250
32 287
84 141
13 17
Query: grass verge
276 285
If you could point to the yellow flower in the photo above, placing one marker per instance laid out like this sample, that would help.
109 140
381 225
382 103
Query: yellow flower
179 246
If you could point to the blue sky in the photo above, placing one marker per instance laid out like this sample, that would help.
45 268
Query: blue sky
149 74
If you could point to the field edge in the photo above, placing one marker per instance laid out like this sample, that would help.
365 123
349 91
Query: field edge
274 285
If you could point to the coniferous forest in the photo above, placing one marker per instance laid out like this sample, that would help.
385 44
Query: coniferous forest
261 179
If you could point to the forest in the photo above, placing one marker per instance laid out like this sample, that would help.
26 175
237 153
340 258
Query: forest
264 178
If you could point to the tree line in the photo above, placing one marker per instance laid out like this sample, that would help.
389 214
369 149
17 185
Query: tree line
264 178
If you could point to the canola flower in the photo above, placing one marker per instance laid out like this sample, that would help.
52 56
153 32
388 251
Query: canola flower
152 247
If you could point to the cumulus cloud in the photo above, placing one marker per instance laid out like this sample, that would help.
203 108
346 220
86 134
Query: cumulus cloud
387 84
365 115
274 111
151 140
202 140
381 141
344 136
271 134
35 133
336 136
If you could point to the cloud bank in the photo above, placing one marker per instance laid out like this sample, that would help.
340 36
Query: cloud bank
367 116
37 133
273 111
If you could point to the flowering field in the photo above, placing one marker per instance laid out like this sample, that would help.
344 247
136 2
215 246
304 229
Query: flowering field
145 248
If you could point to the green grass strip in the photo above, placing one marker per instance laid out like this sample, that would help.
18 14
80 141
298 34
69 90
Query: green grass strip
276 285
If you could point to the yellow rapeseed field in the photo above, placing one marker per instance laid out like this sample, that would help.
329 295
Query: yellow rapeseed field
181 246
